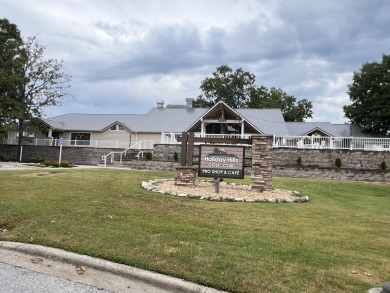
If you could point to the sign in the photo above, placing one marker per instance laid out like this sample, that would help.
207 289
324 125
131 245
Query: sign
61 141
221 161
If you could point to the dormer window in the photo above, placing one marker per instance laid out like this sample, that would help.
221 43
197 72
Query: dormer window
117 127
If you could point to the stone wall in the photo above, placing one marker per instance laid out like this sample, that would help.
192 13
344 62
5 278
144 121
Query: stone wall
355 165
332 173
288 157
317 163
153 165
326 158
77 155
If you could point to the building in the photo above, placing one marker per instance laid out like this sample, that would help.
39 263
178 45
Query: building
163 125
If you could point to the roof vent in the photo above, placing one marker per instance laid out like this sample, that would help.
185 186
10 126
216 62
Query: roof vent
190 102
160 104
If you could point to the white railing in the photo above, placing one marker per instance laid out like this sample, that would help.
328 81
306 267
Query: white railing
209 135
307 142
171 137
142 144
78 143
342 143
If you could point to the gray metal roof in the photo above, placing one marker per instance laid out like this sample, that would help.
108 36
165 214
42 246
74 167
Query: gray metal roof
156 120
264 121
303 128
170 119
268 121
351 130
91 122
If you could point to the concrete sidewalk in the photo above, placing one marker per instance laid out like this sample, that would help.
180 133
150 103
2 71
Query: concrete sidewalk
92 271
7 166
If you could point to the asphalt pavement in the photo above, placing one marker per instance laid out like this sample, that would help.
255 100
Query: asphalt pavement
28 268
19 280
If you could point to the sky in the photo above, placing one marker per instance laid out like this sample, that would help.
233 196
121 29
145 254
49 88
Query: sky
125 55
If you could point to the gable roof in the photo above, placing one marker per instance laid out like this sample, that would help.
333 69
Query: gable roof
91 122
304 128
268 121
179 119
169 119
263 121
156 120
336 130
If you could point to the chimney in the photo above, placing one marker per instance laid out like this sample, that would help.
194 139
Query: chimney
190 102
160 104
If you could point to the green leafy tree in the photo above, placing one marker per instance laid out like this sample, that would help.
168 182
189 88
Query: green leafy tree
231 87
292 109
10 70
370 96
238 90
35 82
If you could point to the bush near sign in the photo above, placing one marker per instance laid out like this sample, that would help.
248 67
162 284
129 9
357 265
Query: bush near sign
221 161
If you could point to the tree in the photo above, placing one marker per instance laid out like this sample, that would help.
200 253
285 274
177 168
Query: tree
10 54
35 82
233 88
292 109
238 90
370 96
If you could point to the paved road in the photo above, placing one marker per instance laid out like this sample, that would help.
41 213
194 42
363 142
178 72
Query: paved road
23 267
18 280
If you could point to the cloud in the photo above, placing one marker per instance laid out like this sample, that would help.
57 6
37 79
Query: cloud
124 56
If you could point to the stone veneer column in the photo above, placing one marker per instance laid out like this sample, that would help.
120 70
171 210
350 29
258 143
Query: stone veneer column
261 163
185 175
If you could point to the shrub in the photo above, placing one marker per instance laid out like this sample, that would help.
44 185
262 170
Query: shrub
176 156
66 164
299 161
383 166
338 162
148 156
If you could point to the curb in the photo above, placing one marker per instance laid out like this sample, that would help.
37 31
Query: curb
169 283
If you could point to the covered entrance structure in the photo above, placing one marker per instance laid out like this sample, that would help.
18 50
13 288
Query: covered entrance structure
222 121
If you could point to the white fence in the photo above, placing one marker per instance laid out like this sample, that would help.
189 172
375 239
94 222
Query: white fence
171 137
342 143
143 144
304 142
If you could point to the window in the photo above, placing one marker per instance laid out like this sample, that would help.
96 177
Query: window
117 127
80 138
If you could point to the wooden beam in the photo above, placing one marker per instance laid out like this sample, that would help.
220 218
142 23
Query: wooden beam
183 153
190 148
232 121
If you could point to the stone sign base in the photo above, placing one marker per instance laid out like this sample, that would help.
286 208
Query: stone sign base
185 175
261 163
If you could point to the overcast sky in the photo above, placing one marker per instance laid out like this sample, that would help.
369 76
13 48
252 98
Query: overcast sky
124 55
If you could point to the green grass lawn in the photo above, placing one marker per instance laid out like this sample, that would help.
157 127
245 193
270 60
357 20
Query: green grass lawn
337 242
